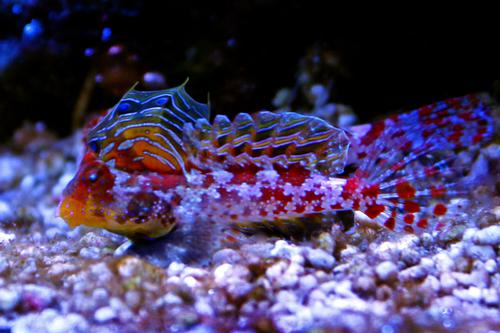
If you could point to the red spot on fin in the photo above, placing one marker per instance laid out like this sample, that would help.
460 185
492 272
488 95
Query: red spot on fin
405 190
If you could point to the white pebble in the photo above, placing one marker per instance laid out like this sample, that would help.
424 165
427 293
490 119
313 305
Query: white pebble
413 273
6 238
432 283
319 258
481 252
104 314
386 270
5 211
70 323
307 282
175 268
490 296
472 294
491 266
488 236
8 299
448 283
221 273
443 262
282 249
171 298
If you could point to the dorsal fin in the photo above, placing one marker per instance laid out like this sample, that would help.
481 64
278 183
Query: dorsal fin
264 139
143 131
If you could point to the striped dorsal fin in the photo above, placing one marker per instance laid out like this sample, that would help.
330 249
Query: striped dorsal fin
144 130
265 139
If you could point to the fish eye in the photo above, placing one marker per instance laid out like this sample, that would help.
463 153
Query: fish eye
123 108
161 101
93 177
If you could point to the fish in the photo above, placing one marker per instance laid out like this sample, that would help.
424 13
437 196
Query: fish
155 161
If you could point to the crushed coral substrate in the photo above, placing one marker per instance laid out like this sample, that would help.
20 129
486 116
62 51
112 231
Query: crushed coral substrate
53 279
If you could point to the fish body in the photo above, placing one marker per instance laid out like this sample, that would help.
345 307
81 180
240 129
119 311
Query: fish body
156 161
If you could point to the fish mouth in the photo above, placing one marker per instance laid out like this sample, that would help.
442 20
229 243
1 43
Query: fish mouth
67 210
76 213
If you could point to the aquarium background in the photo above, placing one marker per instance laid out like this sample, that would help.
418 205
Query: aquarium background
241 53
65 63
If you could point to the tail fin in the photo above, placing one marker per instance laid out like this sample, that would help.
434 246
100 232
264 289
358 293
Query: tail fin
406 163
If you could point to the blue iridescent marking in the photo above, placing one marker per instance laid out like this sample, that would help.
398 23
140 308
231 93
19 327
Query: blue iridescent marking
123 108
161 101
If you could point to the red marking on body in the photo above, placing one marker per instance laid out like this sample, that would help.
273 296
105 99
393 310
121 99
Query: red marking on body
407 146
351 185
398 134
405 190
440 209
374 210
371 191
427 133
374 133
241 175
455 137
437 192
336 206
355 204
480 135
300 209
394 118
362 155
397 166
425 111
477 138
431 171
411 207
423 223
390 223
295 174
409 218
408 229
467 116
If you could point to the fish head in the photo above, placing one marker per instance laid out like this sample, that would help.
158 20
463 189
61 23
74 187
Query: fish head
136 206
88 197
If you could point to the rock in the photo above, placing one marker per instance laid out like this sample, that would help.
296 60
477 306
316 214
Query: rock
386 271
104 314
37 297
448 283
69 323
413 273
443 262
490 296
319 258
431 283
282 274
6 238
50 321
226 256
4 264
8 299
282 249
6 211
472 294
307 282
490 266
481 252
487 236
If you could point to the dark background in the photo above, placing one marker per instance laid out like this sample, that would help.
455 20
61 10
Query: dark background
241 52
